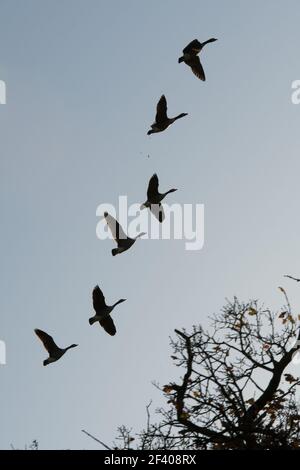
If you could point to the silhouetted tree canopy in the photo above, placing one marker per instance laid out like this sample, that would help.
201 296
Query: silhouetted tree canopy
235 391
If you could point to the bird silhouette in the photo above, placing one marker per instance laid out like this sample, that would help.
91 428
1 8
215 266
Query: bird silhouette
123 241
55 353
190 57
162 122
103 311
154 198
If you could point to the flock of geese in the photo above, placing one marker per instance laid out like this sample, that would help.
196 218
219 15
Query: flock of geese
154 198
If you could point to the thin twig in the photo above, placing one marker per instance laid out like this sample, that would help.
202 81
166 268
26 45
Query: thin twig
148 414
95 439
293 278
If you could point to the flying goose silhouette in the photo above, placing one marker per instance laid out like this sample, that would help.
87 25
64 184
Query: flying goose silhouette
54 351
161 119
154 198
190 57
124 242
103 311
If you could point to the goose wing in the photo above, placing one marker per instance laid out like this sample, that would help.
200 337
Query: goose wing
161 110
117 232
196 66
98 299
194 47
108 324
158 212
152 190
47 341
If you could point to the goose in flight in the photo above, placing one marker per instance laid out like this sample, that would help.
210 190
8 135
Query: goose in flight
103 311
123 241
190 57
54 351
154 198
161 119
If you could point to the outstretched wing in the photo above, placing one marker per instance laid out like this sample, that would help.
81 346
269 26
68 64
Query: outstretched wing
158 212
161 110
194 47
98 299
115 228
47 341
196 66
108 324
152 190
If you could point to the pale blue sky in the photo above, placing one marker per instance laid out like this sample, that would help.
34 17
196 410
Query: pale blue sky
83 78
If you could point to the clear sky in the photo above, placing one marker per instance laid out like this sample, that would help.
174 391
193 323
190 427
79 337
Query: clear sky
83 78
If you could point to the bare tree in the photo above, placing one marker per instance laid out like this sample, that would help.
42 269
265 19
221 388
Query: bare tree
235 392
